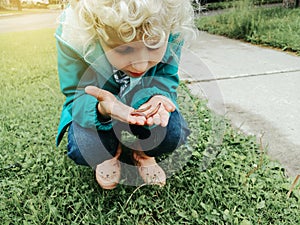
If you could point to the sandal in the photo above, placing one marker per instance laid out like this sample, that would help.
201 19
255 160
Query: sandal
108 173
149 170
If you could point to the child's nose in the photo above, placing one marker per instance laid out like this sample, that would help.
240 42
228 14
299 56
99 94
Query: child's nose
141 66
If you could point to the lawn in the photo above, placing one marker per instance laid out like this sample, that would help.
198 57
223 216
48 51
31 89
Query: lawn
231 183
275 26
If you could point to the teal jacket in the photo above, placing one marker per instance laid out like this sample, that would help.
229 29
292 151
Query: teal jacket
76 72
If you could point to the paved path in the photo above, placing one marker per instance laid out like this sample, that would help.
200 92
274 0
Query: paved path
260 89
12 23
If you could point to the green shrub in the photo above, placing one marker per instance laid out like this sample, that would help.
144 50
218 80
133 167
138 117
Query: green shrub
225 4
276 26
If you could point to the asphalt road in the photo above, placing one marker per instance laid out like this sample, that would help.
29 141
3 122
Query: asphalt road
14 23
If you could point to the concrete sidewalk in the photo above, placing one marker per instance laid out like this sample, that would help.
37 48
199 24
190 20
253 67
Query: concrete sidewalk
259 87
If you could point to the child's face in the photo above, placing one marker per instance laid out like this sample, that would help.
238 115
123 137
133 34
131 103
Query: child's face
133 58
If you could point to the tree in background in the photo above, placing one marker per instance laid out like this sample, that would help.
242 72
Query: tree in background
6 4
19 5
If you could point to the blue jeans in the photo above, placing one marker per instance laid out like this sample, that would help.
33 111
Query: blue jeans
90 147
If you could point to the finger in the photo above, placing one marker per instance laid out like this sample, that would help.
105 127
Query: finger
164 118
122 113
94 91
150 121
138 120
167 103
156 119
169 106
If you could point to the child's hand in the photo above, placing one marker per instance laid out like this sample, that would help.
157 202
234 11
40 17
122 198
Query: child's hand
161 117
109 106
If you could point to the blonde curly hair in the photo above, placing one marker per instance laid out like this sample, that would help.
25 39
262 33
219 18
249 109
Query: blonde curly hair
147 20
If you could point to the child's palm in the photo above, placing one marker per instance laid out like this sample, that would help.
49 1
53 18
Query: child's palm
109 106
161 117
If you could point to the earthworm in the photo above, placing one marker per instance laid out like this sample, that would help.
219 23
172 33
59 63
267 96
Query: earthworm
135 113
139 112
153 111
143 109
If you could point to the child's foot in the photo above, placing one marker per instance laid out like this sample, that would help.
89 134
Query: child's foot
148 169
108 173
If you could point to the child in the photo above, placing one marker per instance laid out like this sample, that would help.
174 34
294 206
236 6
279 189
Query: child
117 65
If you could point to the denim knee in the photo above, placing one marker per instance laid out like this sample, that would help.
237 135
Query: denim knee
90 147
73 149
167 139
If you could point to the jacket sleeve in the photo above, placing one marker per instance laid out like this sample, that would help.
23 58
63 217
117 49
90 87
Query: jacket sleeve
74 75
162 79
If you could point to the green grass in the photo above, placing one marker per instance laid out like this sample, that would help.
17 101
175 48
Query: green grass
275 26
225 4
39 185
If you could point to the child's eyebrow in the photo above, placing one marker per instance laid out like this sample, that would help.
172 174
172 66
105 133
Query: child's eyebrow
119 44
113 43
